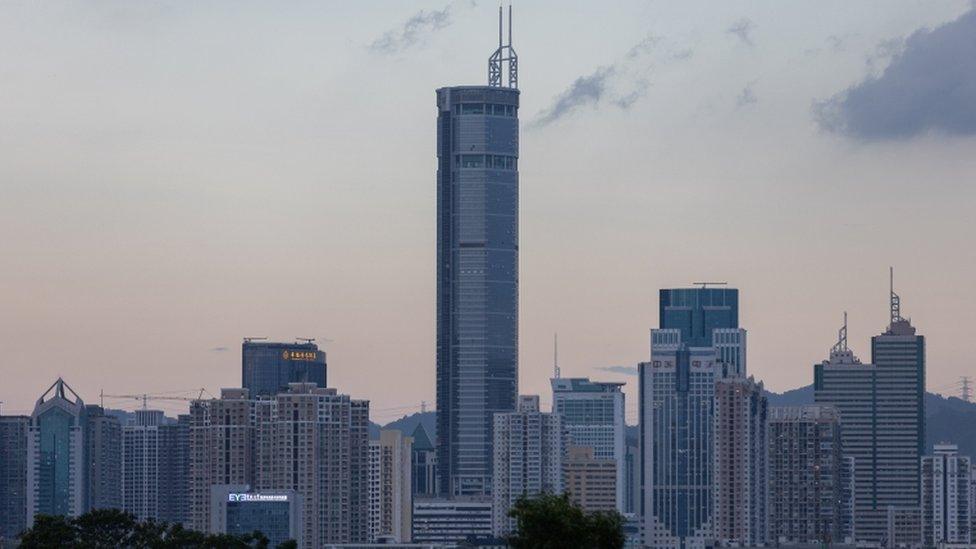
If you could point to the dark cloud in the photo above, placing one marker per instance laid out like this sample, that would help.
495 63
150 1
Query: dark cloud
626 370
410 33
928 87
619 85
746 97
743 29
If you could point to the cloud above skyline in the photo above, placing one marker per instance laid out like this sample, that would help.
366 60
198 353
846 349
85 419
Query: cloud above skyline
928 87
625 370
743 29
620 84
412 31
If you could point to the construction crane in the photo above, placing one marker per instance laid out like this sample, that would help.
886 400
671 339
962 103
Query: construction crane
146 397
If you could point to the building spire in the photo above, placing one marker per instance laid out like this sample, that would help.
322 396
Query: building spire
555 356
894 299
841 344
504 53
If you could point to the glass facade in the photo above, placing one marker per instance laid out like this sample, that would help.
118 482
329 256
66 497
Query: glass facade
699 343
271 518
267 368
477 278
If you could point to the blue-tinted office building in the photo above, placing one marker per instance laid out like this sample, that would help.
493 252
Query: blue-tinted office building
268 367
477 278
237 509
699 343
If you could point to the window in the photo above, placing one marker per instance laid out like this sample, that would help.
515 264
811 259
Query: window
472 108
472 160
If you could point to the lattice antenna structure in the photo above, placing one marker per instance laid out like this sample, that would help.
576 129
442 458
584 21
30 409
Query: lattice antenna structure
503 57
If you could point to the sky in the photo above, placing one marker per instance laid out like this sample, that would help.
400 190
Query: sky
175 176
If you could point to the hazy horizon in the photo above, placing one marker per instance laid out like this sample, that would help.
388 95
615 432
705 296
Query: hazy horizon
175 177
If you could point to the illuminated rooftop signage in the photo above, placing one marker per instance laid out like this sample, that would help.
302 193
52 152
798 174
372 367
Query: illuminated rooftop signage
298 355
256 498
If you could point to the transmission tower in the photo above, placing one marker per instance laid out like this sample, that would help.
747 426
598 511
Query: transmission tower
965 388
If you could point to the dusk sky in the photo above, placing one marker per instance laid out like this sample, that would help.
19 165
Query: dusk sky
175 176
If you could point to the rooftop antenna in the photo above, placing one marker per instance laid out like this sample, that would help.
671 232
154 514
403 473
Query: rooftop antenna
841 344
504 53
895 300
305 339
707 284
555 356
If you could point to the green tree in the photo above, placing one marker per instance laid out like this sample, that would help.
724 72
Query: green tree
111 528
554 522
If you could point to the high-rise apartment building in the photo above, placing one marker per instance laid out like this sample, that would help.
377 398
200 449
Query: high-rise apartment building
174 471
740 453
807 500
268 367
699 343
947 497
390 498
529 448
222 441
477 271
593 415
103 442
141 458
315 441
589 481
310 440
13 476
57 468
424 460
882 420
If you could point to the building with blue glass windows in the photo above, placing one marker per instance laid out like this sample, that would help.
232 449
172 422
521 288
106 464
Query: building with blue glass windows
477 273
57 461
239 510
268 367
699 343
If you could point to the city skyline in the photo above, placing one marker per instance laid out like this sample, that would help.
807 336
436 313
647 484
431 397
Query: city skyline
113 288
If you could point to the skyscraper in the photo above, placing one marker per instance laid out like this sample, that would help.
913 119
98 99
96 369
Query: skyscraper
593 415
529 447
13 476
882 421
477 270
103 442
947 499
57 474
390 501
699 343
268 367
424 460
141 459
740 446
174 471
807 497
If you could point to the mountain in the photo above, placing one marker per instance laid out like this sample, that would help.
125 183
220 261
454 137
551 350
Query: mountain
946 419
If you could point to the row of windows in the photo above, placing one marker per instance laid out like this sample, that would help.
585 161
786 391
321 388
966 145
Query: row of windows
494 161
486 108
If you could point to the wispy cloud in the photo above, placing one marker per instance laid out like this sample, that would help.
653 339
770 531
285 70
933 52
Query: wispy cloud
219 350
743 29
412 32
625 370
747 96
620 84
929 86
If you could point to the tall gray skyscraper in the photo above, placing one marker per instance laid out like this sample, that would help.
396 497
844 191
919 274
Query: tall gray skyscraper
882 420
103 440
698 344
947 499
141 457
477 270
13 476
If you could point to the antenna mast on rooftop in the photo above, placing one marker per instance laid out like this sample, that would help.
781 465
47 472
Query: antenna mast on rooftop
895 300
504 53
555 356
841 344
